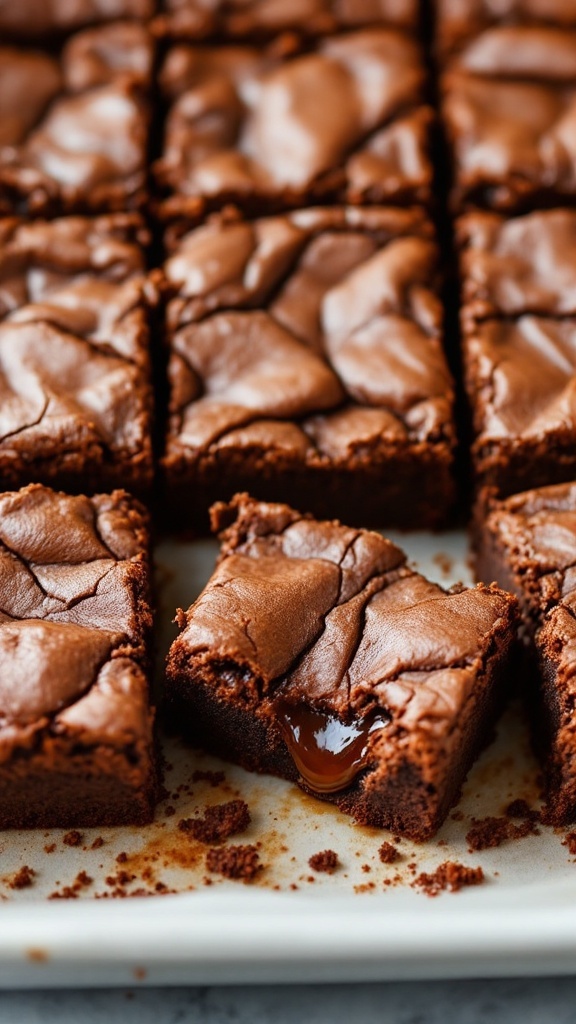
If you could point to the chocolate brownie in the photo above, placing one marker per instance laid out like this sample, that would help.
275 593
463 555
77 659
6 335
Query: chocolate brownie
315 653
75 392
76 745
528 543
509 105
74 125
234 19
28 19
459 20
306 364
269 128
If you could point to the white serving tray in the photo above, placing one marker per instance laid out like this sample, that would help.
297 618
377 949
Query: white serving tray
349 926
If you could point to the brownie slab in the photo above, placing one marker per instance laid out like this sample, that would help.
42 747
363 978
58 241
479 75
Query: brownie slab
76 743
315 653
75 392
509 105
37 18
74 125
268 128
528 544
459 20
306 364
234 19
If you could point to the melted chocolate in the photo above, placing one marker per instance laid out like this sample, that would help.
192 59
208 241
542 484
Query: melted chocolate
327 752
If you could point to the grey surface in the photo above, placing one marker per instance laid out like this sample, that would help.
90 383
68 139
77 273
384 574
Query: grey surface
458 1002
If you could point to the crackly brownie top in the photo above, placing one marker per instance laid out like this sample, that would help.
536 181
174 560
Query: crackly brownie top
73 337
235 18
35 18
461 19
74 609
538 531
519 265
75 123
237 124
345 339
318 613
523 376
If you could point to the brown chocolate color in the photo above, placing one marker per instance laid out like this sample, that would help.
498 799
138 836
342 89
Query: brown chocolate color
263 19
75 391
266 129
510 109
34 19
320 615
460 20
528 544
306 365
76 746
74 125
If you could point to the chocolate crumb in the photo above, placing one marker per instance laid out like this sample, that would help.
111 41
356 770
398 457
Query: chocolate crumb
83 879
50 848
521 809
122 858
23 879
234 862
218 822
450 876
570 841
98 842
487 833
214 778
388 854
72 838
326 861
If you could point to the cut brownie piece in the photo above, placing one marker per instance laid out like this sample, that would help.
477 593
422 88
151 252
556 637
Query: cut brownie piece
234 19
510 107
521 384
528 543
459 20
306 365
34 19
75 392
76 743
271 128
74 127
315 653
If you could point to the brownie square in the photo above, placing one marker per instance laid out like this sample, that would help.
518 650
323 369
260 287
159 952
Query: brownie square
34 19
520 378
528 543
75 391
459 20
276 127
509 105
510 267
261 19
74 125
306 364
76 743
315 653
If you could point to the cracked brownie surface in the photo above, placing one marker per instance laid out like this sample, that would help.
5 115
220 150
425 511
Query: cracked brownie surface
36 18
76 400
238 131
307 346
302 614
75 623
459 20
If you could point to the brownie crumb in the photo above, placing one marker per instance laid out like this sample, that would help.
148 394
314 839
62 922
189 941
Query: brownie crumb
98 842
122 858
326 861
487 833
214 778
218 822
72 838
234 862
521 809
388 854
23 878
50 848
83 880
450 876
570 841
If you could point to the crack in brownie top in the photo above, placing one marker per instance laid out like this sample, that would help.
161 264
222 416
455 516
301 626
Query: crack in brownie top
346 339
36 18
58 152
347 117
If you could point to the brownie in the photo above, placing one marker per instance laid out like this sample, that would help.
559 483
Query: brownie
315 653
39 18
528 543
509 105
274 127
76 743
74 124
459 20
306 365
75 391
262 19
